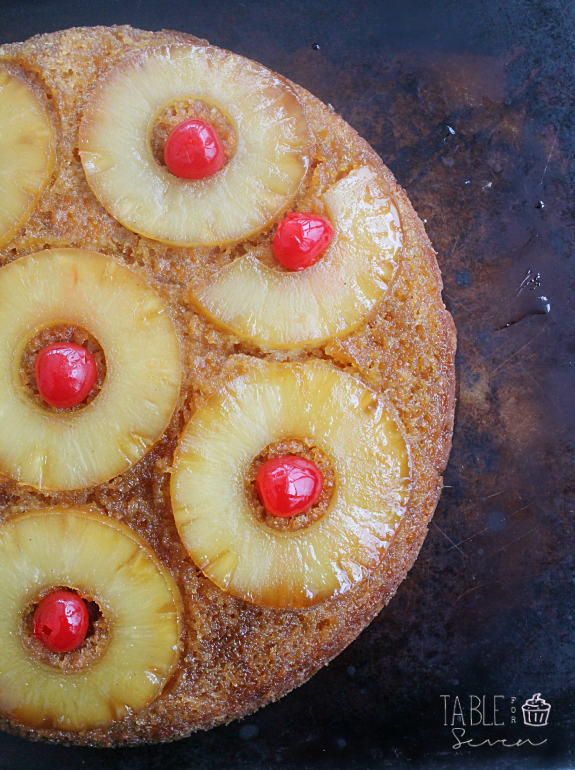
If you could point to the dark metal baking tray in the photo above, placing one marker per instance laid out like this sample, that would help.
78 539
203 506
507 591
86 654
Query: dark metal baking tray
471 106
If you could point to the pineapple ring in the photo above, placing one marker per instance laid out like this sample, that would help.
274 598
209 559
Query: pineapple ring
253 188
329 299
371 462
96 555
72 450
27 155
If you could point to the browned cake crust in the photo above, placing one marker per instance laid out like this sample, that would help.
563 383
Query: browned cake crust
237 656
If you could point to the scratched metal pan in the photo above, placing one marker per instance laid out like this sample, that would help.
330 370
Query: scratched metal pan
471 105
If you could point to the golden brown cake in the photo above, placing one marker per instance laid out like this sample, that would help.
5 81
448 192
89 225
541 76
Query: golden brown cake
211 359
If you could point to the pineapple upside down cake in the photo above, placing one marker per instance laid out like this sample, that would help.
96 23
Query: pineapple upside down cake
226 386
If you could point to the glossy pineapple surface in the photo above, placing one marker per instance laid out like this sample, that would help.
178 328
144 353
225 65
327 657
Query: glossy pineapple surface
254 187
103 559
72 449
371 464
27 151
286 309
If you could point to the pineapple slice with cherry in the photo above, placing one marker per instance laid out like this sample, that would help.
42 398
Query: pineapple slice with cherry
279 309
75 449
354 427
27 154
105 562
238 200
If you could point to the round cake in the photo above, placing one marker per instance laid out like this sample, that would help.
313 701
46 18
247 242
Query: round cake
227 386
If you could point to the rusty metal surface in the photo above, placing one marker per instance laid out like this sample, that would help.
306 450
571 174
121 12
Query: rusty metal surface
471 106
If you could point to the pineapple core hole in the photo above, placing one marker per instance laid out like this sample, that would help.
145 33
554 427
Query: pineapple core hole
86 654
302 448
48 336
187 109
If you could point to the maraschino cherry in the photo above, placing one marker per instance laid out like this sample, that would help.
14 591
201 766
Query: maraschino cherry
61 621
288 485
193 150
65 374
301 239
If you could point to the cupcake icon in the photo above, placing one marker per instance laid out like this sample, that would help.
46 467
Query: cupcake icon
536 711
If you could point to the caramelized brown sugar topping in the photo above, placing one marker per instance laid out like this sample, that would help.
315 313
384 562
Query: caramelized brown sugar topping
238 656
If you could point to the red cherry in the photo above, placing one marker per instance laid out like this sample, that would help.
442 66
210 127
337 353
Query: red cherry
193 150
288 485
61 621
300 239
65 373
